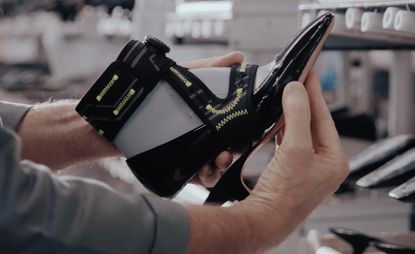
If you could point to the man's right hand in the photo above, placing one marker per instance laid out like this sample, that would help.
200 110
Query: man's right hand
308 166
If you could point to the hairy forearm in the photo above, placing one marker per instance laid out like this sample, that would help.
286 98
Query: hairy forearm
251 226
55 135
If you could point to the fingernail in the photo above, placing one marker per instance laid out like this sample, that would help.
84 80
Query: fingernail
294 93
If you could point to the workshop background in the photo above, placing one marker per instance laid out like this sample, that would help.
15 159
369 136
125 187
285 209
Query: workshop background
56 49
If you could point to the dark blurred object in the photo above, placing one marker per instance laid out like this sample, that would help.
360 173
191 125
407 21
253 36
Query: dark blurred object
357 240
346 188
12 7
17 77
360 242
378 154
111 4
69 9
392 248
361 126
405 192
66 9
395 172
381 84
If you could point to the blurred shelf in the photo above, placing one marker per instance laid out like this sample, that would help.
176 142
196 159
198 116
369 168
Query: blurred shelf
345 39
349 4
365 41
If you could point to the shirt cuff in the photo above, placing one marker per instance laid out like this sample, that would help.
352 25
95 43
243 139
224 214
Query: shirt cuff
172 226
13 113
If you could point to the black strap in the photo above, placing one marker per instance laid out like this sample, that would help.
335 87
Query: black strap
123 87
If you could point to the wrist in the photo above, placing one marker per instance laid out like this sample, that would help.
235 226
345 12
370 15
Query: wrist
89 144
277 190
223 229
55 135
273 216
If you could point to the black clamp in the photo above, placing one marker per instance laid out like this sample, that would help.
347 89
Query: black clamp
157 44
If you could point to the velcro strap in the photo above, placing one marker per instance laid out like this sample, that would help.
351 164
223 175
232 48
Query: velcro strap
121 89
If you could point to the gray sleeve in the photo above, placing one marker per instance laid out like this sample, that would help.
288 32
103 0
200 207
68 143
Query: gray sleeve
12 114
44 213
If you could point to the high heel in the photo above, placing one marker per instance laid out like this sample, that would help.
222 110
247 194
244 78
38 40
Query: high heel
395 172
293 64
378 154
357 240
168 122
404 192
360 242
389 248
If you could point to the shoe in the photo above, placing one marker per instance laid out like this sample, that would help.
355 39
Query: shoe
404 192
360 242
378 154
389 248
357 240
397 171
169 121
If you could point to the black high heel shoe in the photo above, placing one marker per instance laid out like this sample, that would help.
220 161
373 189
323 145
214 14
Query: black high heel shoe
357 240
404 192
117 100
389 248
378 154
393 173
293 64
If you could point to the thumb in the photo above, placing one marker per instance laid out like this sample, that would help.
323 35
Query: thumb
297 116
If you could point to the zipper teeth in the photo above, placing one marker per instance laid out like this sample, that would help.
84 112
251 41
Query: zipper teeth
229 107
107 87
242 69
180 76
231 117
124 101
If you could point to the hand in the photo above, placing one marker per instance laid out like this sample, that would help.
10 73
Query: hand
307 167
210 174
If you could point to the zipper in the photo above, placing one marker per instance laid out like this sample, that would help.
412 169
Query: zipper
104 91
124 102
180 76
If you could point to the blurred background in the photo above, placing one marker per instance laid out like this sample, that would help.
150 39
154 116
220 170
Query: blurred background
56 49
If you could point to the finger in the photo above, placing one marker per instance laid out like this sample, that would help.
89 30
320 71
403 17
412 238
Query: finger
208 176
297 116
203 173
229 59
232 58
198 63
196 180
224 160
323 128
